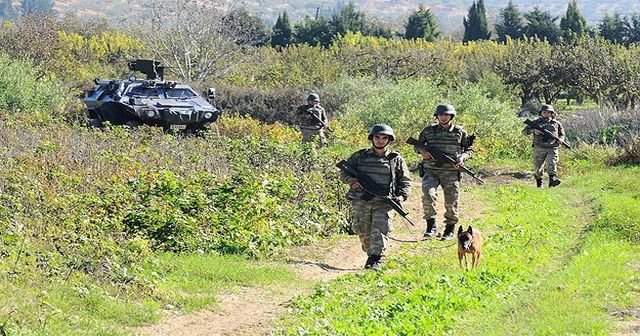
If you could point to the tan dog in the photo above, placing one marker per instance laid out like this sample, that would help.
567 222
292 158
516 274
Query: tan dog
469 241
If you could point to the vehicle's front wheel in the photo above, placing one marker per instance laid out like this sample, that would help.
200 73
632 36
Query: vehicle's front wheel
131 124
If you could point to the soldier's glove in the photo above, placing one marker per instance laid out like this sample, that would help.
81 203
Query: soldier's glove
399 199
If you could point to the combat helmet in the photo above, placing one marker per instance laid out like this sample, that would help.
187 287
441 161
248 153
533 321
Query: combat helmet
313 97
382 129
546 107
445 109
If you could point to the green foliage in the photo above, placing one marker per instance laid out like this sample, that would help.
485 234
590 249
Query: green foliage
543 269
475 24
422 24
614 28
23 90
509 23
348 19
408 108
254 31
314 32
294 66
573 24
281 35
104 206
541 25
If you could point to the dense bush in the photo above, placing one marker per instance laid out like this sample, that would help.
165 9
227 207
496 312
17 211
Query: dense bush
101 201
270 105
24 89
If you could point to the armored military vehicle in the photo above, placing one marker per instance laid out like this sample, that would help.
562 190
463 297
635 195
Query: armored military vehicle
151 101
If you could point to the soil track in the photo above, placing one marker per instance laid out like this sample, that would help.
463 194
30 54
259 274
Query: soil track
252 310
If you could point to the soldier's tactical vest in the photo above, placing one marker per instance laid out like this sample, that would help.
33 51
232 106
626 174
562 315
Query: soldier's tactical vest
447 141
544 140
382 170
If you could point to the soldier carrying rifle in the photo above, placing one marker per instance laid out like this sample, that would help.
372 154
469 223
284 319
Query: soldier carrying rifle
312 120
434 140
379 181
548 135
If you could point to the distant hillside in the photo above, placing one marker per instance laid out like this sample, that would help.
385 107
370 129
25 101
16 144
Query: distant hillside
395 12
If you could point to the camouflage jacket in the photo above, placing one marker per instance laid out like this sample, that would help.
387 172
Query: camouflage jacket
311 123
453 141
390 172
543 140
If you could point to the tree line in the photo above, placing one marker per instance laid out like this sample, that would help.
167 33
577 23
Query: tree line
421 24
216 46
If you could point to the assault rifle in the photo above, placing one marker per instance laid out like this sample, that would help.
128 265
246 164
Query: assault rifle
442 157
534 125
372 189
317 119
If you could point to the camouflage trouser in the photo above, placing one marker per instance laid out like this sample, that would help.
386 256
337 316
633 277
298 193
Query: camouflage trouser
542 154
308 135
372 224
449 180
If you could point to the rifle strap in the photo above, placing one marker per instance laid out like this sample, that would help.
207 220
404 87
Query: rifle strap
393 164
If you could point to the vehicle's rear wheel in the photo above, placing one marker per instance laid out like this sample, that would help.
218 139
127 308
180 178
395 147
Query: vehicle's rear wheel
95 123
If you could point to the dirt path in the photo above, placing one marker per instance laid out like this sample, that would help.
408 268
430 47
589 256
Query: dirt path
252 310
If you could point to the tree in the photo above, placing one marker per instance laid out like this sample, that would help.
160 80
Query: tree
421 24
376 28
7 11
281 35
573 23
248 28
633 31
313 32
614 28
475 24
36 6
195 41
542 25
349 19
510 23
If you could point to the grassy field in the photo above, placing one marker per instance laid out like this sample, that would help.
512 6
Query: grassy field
555 262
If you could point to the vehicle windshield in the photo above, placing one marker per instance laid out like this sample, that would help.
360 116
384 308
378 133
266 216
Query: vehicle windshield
179 93
142 91
160 92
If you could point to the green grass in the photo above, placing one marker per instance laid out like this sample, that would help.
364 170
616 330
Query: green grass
193 282
81 306
555 260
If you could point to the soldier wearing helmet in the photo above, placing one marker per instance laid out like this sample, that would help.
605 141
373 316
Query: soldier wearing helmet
452 140
312 120
545 147
388 170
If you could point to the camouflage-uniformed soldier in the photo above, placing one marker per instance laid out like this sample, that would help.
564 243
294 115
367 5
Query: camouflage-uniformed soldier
545 148
454 141
309 116
389 171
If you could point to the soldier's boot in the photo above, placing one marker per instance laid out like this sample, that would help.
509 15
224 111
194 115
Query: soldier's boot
376 263
448 232
554 181
432 229
369 262
539 182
